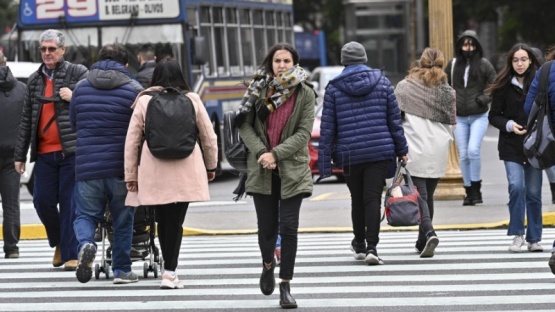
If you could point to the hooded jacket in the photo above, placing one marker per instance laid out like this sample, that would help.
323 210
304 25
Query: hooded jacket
471 99
144 75
32 106
361 121
100 111
12 94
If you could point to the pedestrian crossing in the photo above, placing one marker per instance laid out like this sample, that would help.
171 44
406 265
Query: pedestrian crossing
471 271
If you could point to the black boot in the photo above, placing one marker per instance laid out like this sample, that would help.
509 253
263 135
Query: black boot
468 198
267 279
552 185
476 192
286 301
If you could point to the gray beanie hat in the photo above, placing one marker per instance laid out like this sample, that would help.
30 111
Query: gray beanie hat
353 53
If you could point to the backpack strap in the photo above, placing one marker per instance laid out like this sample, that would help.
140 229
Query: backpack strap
69 74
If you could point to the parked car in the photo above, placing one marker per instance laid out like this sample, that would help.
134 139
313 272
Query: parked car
320 77
21 71
313 147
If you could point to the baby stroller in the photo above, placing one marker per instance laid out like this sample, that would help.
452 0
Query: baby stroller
143 246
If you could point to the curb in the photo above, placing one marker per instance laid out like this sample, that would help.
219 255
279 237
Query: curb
37 231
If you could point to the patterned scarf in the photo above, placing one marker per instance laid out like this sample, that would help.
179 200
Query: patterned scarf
284 85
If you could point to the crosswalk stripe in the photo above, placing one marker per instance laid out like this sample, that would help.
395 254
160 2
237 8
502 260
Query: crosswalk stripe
471 271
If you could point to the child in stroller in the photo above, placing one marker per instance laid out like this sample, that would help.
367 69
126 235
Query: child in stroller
143 245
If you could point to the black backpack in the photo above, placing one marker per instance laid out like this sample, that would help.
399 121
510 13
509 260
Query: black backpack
539 142
170 125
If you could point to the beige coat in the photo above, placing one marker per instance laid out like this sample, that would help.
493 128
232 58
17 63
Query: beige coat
163 181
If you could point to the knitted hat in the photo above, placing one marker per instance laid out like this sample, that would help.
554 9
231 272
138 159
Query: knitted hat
353 53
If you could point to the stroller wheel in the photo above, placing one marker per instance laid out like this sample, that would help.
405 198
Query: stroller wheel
155 269
97 271
107 270
145 269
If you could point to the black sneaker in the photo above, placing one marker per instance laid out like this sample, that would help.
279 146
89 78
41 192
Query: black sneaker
358 249
86 259
372 256
552 262
429 249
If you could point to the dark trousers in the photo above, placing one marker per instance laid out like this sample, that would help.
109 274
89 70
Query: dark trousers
170 218
273 212
426 188
366 182
9 192
54 184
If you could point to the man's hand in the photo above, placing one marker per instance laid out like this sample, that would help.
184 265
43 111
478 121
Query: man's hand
20 167
65 94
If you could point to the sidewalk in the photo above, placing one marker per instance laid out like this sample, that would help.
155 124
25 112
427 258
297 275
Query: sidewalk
240 218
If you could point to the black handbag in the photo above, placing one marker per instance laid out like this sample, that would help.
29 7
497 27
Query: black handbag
234 148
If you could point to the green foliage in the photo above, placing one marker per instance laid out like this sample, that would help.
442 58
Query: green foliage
8 14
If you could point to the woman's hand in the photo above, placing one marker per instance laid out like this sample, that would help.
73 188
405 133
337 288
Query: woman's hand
131 186
267 161
518 129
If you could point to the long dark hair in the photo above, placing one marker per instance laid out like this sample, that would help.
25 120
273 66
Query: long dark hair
506 74
267 62
475 62
167 73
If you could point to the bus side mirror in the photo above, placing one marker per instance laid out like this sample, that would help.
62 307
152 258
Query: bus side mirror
199 50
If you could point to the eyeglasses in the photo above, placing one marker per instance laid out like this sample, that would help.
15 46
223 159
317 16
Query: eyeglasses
522 59
49 49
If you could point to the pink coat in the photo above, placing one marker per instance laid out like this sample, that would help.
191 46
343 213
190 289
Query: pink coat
163 181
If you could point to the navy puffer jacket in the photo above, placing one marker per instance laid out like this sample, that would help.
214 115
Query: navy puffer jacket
361 121
100 111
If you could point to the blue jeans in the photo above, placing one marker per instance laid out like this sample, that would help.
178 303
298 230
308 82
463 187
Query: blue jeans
525 194
90 198
469 133
54 183
550 172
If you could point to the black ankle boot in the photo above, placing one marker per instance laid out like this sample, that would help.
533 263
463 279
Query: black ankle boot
286 301
476 192
267 279
468 198
552 185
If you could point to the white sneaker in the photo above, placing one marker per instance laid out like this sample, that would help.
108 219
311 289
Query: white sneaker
518 242
535 247
171 282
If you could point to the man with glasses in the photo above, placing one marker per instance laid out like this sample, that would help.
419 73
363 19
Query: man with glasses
45 127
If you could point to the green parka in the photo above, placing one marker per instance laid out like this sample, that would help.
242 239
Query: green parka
291 153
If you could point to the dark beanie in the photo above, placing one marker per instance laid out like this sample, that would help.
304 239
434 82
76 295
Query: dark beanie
353 53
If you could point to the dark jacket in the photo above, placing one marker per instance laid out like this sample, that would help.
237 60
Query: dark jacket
291 153
361 121
32 107
533 91
100 111
508 104
471 100
12 94
144 75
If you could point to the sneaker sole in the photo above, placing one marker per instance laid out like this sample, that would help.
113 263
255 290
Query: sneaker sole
84 268
358 256
511 249
170 285
535 250
124 281
373 260
429 249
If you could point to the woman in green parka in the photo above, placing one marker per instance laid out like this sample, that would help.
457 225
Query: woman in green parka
276 117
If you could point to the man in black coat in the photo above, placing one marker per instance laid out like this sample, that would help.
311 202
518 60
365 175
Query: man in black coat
12 94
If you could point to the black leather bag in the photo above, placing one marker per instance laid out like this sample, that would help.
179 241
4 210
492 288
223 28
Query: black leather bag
234 148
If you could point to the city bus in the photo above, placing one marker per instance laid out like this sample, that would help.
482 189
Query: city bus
219 43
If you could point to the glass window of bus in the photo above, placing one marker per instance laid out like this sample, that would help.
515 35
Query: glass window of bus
207 32
271 28
220 41
260 43
233 42
247 42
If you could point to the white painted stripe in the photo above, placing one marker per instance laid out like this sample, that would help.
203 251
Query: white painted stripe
272 303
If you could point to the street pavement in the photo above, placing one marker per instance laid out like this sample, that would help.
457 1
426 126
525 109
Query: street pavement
471 271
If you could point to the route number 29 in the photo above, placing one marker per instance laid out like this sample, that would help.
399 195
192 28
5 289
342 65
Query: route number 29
55 8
